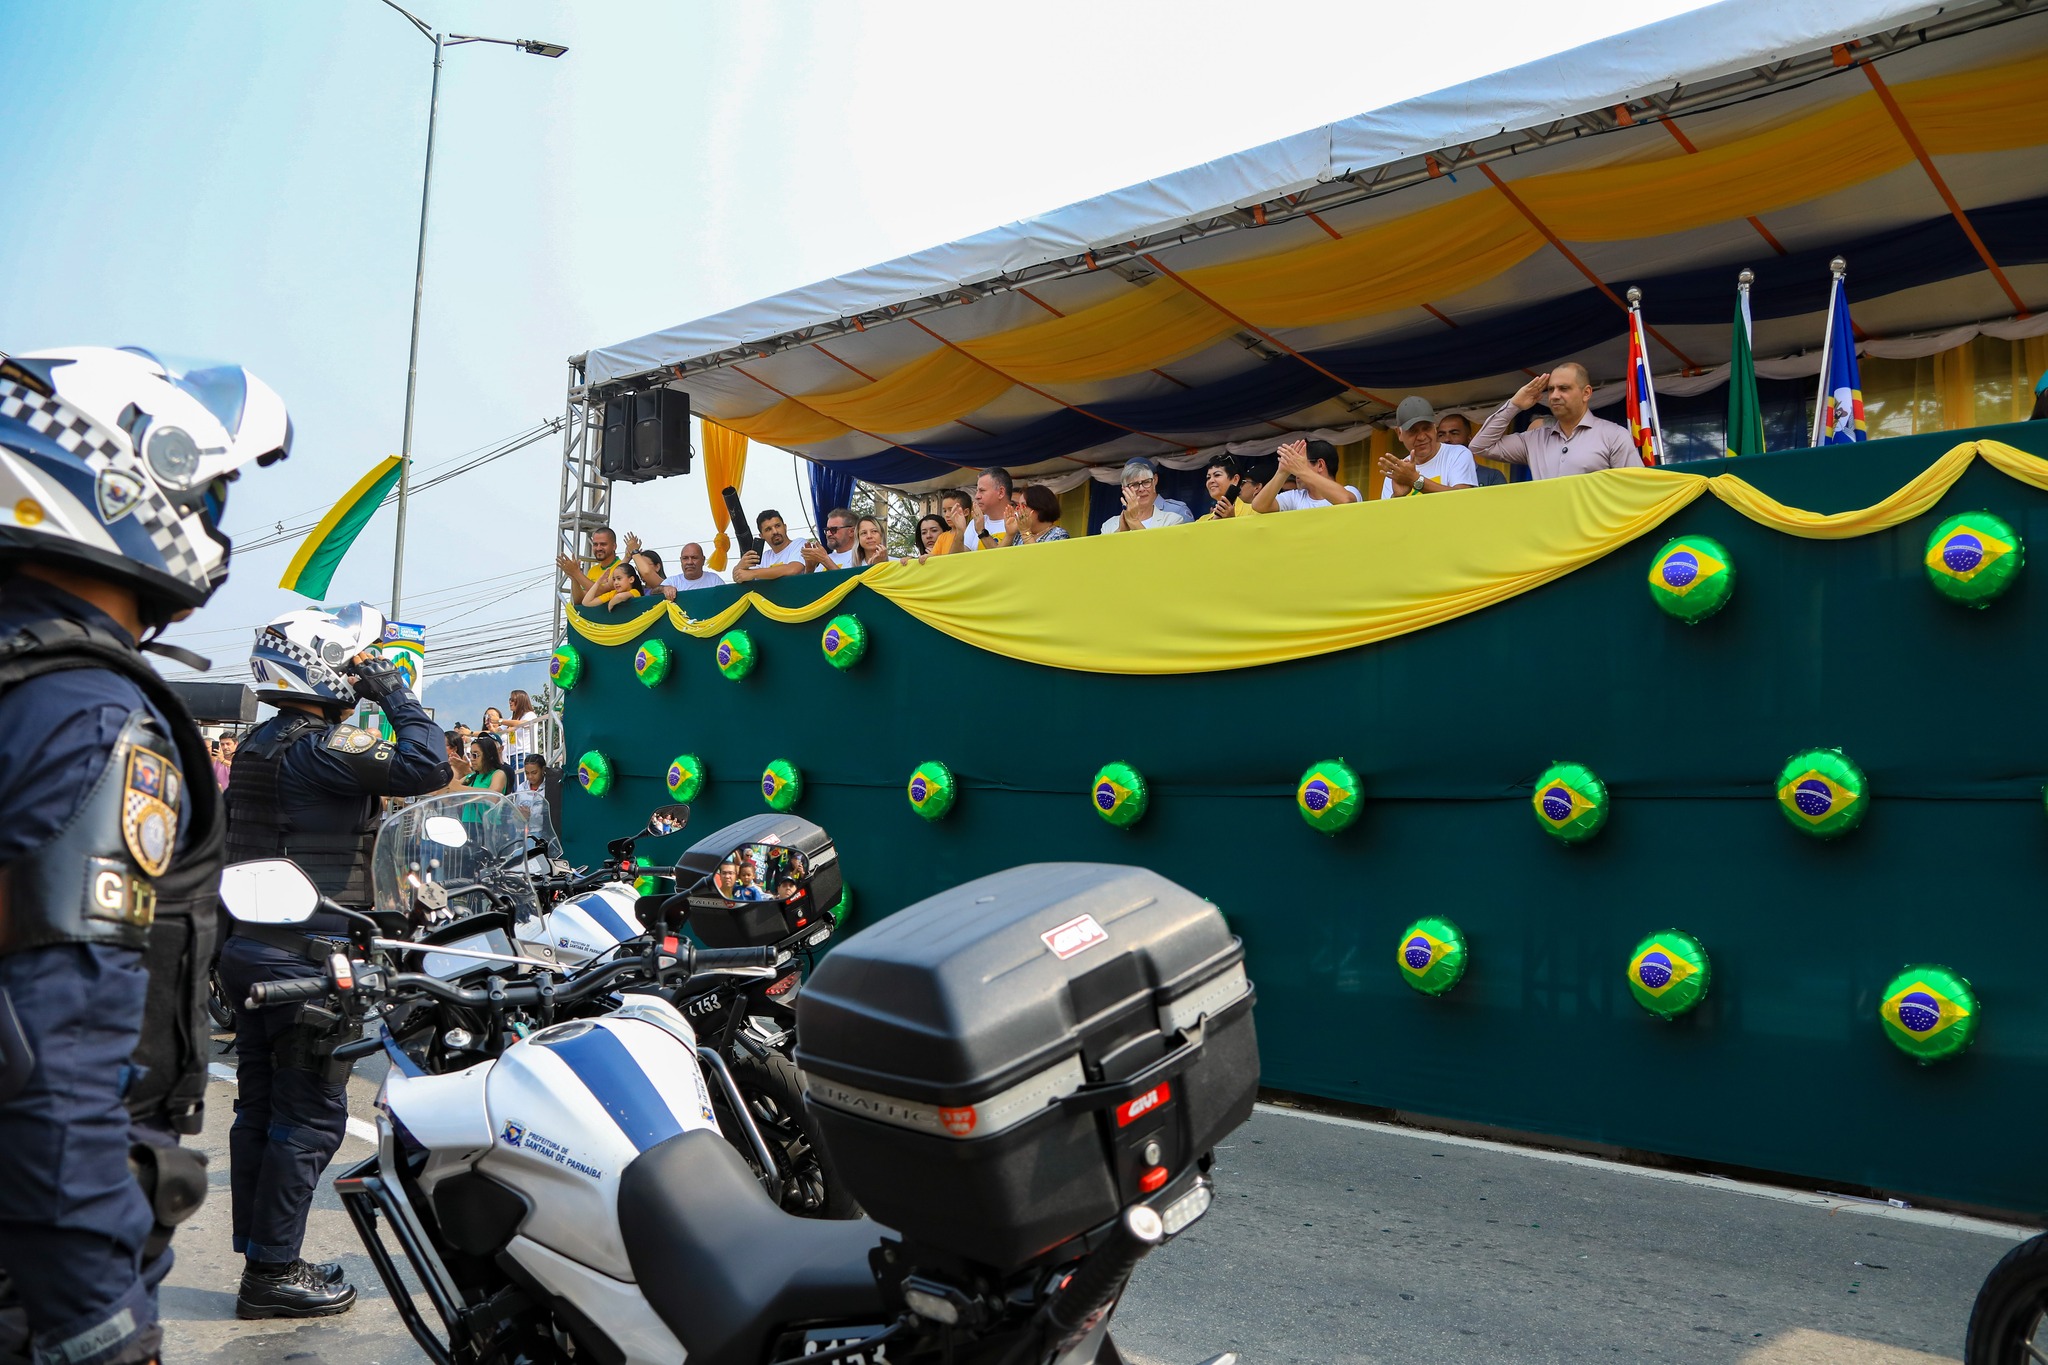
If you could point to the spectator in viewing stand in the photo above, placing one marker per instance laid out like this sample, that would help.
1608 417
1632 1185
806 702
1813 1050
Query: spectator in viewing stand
1454 429
956 508
1575 442
1141 501
870 543
929 529
690 560
458 762
837 551
616 584
604 553
1430 466
777 557
1039 521
1225 483
1253 474
521 732
1306 476
487 765
991 510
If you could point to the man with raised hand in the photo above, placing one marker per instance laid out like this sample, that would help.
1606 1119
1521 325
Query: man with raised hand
1575 442
1306 477
1141 501
1430 466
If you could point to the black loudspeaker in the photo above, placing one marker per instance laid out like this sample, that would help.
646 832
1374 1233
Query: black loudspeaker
614 442
215 703
661 433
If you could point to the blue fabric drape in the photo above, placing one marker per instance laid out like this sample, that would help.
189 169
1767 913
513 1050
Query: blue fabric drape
831 486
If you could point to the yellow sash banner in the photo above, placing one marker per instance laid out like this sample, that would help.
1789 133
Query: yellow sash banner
1347 576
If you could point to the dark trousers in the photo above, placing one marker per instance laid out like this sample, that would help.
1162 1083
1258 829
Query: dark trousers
288 1122
72 1219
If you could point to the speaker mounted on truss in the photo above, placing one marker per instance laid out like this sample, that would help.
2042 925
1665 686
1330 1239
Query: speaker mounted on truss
645 435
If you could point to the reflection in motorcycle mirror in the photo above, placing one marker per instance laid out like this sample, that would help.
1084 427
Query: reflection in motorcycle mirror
445 830
761 872
668 819
268 891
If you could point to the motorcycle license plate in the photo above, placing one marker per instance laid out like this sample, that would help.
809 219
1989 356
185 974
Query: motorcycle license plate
816 1339
710 1005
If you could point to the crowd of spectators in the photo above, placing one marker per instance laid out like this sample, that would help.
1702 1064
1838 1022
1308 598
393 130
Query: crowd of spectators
1437 455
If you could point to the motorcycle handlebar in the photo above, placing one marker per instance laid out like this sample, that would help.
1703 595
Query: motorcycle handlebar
285 992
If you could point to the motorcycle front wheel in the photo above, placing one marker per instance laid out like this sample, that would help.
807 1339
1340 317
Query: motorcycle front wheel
2009 1322
773 1089
219 1008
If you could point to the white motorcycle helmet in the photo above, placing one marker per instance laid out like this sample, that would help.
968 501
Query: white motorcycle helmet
119 462
304 655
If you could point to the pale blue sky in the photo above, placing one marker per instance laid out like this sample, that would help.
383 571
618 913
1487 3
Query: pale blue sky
240 179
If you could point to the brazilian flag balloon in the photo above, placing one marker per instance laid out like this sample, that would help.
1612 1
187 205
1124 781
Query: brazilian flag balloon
781 784
735 654
1119 795
686 777
1823 793
645 885
594 773
931 790
1668 973
1570 802
1974 557
650 662
845 640
1691 578
1929 1013
1432 955
565 666
1328 795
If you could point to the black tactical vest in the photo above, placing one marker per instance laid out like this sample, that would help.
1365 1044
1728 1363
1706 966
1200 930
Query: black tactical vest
330 842
113 875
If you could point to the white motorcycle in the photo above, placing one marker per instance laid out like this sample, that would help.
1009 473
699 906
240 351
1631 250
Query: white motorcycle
1025 1078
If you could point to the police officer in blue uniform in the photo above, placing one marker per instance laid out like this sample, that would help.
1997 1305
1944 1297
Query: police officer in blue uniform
309 788
114 470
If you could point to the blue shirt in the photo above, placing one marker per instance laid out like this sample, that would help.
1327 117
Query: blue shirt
57 730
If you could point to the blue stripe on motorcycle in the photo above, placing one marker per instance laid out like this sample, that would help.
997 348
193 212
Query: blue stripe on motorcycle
616 1081
601 913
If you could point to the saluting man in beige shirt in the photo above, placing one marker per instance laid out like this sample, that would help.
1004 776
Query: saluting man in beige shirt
1576 442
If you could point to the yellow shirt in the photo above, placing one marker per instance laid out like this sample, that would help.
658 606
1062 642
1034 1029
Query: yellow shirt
1243 509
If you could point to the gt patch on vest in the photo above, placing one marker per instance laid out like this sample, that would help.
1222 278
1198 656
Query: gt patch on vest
149 810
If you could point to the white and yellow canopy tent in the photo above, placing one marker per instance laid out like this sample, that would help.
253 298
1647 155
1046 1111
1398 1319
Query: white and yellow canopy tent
1449 245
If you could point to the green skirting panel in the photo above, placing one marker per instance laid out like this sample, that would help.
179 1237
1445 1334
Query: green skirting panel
1785 1066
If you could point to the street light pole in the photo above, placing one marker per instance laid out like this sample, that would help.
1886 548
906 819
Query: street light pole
419 277
412 362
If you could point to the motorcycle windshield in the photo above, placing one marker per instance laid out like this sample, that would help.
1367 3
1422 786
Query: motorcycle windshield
530 812
457 838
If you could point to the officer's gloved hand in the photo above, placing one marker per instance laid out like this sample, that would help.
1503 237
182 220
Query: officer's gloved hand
377 679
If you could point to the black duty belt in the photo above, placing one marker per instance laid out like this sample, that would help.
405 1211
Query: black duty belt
313 947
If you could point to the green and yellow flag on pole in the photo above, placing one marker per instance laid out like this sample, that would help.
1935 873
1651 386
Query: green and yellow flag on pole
1745 409
320 553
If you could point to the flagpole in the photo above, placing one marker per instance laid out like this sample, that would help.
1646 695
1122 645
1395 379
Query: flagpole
1840 268
1742 284
1635 322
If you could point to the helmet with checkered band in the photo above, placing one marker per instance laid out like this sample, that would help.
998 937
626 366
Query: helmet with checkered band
304 655
117 462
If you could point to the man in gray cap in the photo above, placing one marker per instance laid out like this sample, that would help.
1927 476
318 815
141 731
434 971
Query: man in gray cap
1141 501
1430 466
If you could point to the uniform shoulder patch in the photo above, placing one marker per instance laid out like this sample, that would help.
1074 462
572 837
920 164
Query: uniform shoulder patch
353 739
149 810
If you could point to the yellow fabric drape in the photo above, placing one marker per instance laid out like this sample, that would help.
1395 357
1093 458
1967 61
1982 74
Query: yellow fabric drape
1381 569
725 466
1444 249
1982 382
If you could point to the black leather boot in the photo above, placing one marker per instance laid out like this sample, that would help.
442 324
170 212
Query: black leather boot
292 1289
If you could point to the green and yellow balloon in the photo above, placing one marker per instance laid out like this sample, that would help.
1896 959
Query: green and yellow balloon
685 777
781 784
845 640
1119 794
651 662
1929 1013
1432 955
1328 795
1570 802
645 885
594 773
735 654
1823 793
1668 973
1974 557
565 666
1691 578
931 790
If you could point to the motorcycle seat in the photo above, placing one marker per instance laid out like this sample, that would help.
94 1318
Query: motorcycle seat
723 1266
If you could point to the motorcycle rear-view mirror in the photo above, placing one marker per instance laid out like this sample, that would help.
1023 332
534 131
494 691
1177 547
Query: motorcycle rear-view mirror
268 891
668 819
445 830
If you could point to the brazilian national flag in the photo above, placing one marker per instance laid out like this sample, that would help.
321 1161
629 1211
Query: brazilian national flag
1745 410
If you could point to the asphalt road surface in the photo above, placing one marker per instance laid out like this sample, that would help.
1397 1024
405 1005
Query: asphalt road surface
1337 1242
